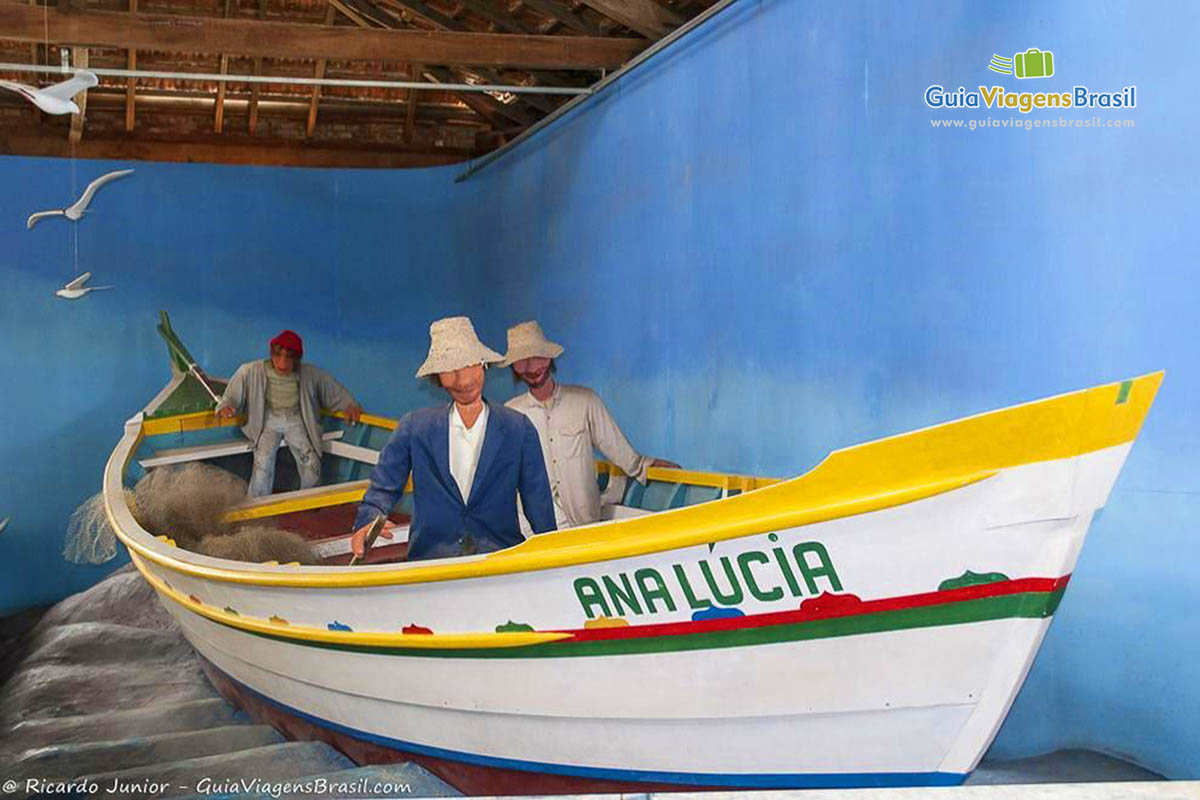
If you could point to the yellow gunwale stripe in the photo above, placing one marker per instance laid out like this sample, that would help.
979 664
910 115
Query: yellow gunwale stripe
524 558
430 641
345 494
872 476
194 421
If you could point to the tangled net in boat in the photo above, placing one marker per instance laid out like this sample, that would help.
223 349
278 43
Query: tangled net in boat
90 538
187 503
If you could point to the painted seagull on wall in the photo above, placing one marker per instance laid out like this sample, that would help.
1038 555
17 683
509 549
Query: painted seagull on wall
76 289
55 99
76 210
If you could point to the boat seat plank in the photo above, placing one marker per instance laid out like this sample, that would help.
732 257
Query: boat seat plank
182 455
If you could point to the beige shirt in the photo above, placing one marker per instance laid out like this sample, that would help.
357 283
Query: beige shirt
465 445
572 425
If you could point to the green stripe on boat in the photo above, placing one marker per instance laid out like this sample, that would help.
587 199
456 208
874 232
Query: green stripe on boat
1028 605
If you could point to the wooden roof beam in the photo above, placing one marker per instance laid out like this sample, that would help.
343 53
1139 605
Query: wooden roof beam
481 104
219 116
79 59
228 150
130 93
256 88
566 15
410 102
311 125
644 16
301 41
505 22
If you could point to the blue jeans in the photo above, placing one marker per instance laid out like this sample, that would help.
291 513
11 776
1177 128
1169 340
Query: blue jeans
290 428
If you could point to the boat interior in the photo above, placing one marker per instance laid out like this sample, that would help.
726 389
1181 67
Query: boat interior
179 427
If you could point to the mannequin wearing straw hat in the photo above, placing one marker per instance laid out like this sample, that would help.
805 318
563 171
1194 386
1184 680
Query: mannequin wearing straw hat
572 424
468 459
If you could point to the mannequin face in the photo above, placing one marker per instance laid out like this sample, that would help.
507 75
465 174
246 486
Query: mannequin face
533 371
465 386
284 360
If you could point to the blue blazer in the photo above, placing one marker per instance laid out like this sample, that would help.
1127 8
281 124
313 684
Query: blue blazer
510 461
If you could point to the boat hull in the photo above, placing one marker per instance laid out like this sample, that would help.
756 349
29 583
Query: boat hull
858 681
868 624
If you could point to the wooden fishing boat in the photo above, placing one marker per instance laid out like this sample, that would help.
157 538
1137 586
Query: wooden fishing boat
867 623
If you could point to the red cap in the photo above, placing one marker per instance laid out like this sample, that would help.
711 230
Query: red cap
290 340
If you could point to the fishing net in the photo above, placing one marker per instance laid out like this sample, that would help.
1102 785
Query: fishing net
90 538
188 503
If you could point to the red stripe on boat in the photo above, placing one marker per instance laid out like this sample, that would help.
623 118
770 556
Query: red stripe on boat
846 609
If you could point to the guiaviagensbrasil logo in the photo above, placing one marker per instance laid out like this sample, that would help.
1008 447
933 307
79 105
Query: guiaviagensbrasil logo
1033 63
1030 63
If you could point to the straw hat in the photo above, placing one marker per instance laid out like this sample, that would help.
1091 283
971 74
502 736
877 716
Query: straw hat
454 345
526 340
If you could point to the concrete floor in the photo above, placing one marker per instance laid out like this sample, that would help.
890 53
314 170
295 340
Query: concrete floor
1064 766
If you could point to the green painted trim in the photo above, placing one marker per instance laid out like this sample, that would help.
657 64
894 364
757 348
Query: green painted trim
1123 392
969 578
1029 605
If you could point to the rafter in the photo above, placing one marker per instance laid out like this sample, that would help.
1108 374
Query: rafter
410 110
303 41
564 14
311 125
644 16
33 59
226 149
219 116
79 57
130 93
256 88
543 104
506 22
484 106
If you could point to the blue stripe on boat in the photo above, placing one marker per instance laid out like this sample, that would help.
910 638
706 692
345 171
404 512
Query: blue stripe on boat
808 780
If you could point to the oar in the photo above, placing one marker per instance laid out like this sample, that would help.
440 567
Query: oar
372 535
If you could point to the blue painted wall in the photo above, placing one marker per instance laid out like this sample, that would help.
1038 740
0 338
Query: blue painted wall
761 250
758 251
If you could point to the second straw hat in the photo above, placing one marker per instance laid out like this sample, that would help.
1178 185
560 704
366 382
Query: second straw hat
454 345
526 340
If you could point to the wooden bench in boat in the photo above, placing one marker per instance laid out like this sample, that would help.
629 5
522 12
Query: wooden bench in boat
183 455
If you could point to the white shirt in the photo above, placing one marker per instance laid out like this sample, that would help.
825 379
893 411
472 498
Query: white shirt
571 426
465 444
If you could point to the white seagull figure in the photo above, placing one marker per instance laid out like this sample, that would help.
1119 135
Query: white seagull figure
4 524
55 99
76 289
76 210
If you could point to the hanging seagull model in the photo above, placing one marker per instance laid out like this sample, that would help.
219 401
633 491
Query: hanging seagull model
4 524
76 289
55 99
76 210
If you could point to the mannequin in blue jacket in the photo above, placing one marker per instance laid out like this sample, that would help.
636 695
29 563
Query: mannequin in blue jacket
469 460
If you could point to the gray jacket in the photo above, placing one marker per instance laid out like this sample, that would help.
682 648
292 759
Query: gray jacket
247 391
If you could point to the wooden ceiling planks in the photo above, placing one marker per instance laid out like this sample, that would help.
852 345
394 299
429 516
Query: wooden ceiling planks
513 42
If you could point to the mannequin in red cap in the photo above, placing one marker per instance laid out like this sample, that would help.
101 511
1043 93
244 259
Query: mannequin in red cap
282 399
